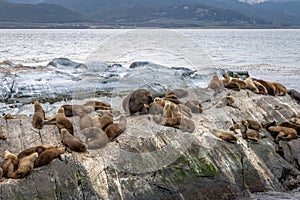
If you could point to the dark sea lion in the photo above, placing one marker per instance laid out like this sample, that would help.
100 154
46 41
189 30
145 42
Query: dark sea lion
261 88
38 116
72 142
105 120
114 130
136 100
294 94
291 125
48 155
39 149
280 89
269 86
63 122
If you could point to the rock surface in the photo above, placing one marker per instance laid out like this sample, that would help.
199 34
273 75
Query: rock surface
150 161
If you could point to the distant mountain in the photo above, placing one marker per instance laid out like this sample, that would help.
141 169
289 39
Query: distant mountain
289 7
98 9
39 13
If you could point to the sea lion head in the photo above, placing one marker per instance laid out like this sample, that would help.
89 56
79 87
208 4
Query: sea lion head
8 155
37 104
61 110
3 135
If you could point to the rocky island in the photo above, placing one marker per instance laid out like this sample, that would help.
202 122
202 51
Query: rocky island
147 161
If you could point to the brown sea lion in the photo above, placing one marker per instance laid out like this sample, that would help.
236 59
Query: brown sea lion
269 86
291 125
194 105
96 138
63 122
9 163
180 93
228 83
48 155
250 85
280 89
215 84
294 94
3 135
38 116
171 96
135 102
25 166
105 120
114 130
98 105
72 142
8 116
295 121
249 133
261 88
284 132
39 149
85 120
70 110
226 136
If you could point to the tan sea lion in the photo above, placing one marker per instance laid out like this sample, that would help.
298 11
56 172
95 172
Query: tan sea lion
38 116
25 166
135 101
48 155
85 120
215 84
9 163
171 96
295 121
252 124
98 105
39 149
280 89
228 83
250 85
105 120
63 122
194 105
8 116
284 132
291 125
226 101
228 79
226 136
70 110
261 88
72 142
3 135
249 133
269 86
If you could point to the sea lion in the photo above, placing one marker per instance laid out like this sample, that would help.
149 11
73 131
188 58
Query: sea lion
215 84
226 101
155 109
3 135
38 116
9 163
171 96
269 86
261 88
85 120
105 120
291 125
250 85
48 155
8 116
169 109
295 121
284 132
280 89
72 142
25 166
234 85
294 94
70 110
114 130
180 93
249 133
96 138
226 136
194 105
252 124
135 101
63 122
39 149
98 105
